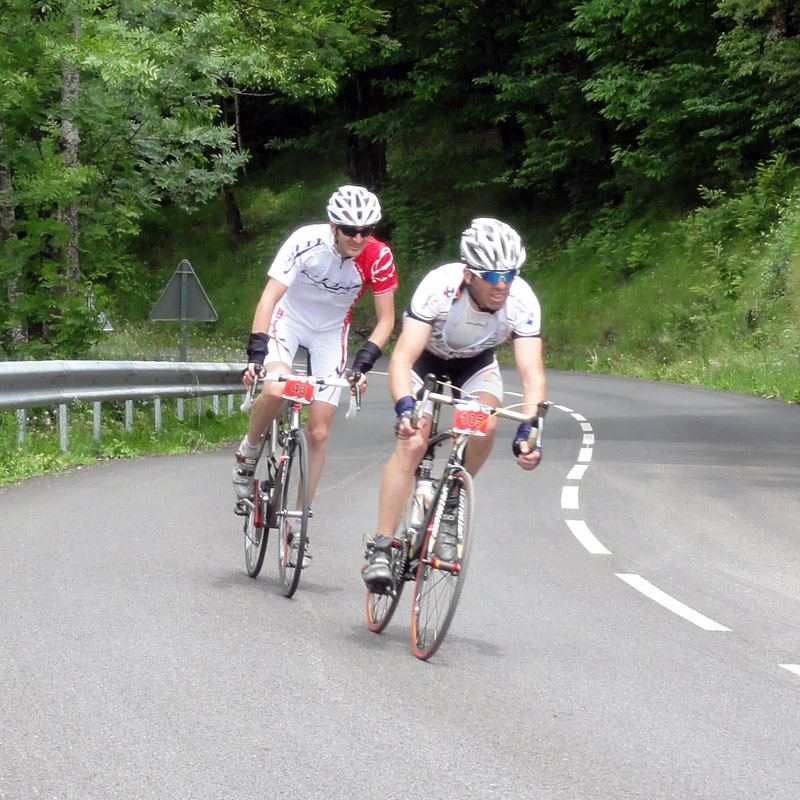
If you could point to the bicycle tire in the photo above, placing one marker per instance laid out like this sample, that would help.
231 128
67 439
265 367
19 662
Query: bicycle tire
255 537
438 586
381 605
294 507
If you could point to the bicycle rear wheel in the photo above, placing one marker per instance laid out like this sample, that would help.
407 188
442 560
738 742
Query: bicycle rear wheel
438 584
381 605
293 512
256 528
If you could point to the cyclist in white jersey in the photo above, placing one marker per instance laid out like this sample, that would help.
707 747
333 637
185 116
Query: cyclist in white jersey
315 280
457 315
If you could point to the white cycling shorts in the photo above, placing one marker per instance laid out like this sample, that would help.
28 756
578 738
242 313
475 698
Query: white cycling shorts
327 351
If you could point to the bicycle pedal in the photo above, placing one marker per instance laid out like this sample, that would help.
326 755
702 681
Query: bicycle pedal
243 508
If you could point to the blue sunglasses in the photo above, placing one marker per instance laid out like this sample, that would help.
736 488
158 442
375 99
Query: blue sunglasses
495 276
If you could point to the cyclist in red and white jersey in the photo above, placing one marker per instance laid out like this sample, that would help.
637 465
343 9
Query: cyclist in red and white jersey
318 275
458 314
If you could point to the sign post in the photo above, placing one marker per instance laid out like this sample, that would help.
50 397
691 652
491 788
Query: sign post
183 299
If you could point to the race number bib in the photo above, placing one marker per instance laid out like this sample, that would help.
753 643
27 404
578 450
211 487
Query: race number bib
298 390
470 419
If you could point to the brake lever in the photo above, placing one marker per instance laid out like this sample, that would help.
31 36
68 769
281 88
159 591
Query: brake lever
247 403
355 396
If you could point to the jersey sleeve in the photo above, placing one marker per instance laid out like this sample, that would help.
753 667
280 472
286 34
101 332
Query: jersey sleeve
287 260
383 275
434 294
526 312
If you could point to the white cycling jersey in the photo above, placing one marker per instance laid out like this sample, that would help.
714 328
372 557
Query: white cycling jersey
323 286
316 309
457 329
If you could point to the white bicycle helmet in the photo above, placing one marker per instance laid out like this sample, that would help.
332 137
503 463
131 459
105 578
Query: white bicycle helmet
489 244
353 205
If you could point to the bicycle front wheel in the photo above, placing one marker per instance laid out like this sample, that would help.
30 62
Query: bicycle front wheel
381 605
293 512
439 583
256 529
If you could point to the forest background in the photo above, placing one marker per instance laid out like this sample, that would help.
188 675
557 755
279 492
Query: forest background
646 150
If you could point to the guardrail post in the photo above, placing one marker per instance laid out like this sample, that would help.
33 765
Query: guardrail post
199 402
179 409
230 405
97 414
215 404
21 427
62 426
157 414
129 415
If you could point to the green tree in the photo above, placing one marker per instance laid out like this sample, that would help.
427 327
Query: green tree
108 110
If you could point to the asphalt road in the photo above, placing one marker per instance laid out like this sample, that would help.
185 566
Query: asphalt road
628 627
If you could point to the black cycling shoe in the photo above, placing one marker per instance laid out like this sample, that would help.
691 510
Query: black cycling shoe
446 547
377 574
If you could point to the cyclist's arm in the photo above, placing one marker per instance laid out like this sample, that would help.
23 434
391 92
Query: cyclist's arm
530 366
272 293
409 347
384 309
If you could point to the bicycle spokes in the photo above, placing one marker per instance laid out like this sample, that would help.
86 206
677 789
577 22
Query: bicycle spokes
439 582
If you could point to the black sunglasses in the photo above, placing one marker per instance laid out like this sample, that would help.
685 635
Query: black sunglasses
352 232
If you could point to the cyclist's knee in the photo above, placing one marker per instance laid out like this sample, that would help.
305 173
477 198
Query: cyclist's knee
317 435
410 452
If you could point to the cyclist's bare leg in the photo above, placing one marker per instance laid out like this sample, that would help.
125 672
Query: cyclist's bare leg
320 416
480 447
267 405
398 478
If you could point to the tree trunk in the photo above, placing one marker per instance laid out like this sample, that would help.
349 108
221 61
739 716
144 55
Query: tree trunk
70 142
366 159
232 215
8 233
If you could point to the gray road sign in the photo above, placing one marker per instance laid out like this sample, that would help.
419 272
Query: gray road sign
183 298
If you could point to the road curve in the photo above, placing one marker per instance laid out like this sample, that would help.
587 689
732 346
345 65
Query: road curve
628 627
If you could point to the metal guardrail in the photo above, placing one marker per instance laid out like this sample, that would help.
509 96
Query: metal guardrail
35 384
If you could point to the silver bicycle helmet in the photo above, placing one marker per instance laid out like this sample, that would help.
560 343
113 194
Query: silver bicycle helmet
489 244
353 205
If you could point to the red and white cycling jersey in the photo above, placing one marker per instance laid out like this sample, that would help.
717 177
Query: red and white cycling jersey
457 329
323 286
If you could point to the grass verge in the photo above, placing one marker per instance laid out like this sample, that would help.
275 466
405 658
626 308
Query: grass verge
41 454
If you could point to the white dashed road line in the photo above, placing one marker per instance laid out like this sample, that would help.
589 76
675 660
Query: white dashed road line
580 530
569 497
582 533
670 603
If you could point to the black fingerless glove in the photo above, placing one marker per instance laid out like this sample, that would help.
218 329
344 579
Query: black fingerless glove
364 360
257 348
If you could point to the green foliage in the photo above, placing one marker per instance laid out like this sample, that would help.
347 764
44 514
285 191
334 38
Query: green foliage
150 81
715 303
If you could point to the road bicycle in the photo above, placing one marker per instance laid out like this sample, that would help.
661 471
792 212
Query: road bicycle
280 498
438 583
